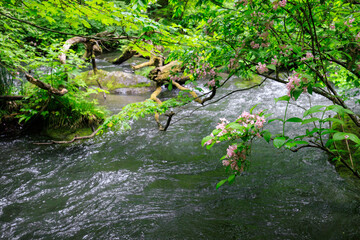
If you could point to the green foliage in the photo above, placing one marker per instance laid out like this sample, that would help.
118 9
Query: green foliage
311 46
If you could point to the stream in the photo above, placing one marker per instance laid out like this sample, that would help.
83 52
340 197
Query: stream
147 184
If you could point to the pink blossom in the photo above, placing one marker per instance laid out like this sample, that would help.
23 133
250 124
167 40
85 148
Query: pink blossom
274 60
254 45
226 163
221 126
294 81
209 21
279 3
231 151
261 68
348 22
332 26
282 3
308 56
346 136
212 83
208 142
245 115
357 36
234 165
224 120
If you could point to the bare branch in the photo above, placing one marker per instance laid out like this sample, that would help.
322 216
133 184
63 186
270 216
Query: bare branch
45 86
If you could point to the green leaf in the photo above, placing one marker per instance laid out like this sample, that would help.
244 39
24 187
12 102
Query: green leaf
234 125
341 136
221 183
289 145
285 98
279 142
334 120
231 178
294 119
216 131
251 110
328 131
310 120
271 66
267 135
339 109
275 119
296 94
310 89
314 109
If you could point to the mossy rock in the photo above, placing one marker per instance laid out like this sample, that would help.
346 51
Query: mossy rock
247 82
349 127
67 134
112 81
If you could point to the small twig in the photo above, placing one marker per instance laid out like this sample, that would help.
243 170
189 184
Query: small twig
72 140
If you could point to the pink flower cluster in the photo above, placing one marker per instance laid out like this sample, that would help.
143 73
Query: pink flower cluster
203 71
268 25
245 2
211 83
254 119
265 44
349 22
275 61
332 26
254 45
222 126
286 52
263 35
308 56
294 81
233 157
277 4
261 68
257 14
232 63
174 78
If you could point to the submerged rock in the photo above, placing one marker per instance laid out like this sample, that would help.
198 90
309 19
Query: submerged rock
117 82
65 133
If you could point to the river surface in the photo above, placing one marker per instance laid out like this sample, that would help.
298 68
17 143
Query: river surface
146 184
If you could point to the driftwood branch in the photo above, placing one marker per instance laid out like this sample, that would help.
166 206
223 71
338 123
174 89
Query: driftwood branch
154 61
67 45
72 140
45 86
11 98
126 55
91 46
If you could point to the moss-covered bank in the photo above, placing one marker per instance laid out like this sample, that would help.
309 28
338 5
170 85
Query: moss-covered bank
348 127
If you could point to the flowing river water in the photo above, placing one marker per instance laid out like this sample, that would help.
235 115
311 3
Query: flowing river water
146 184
